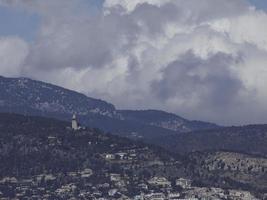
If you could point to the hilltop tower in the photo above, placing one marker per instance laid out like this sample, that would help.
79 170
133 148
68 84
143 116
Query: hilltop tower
74 124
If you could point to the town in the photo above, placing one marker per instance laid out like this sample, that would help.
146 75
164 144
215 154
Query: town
104 185
100 167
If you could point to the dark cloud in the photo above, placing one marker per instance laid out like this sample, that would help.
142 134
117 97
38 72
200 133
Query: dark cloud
200 84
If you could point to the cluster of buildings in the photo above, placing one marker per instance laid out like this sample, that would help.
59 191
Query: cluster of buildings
82 185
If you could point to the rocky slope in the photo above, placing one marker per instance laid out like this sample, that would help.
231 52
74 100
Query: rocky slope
230 169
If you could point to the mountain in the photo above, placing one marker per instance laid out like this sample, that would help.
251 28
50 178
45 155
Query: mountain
165 120
26 96
44 158
29 96
251 139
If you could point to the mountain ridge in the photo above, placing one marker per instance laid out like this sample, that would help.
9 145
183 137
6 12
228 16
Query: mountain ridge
32 97
166 120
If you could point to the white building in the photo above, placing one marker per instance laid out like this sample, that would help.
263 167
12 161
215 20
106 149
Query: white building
184 183
159 181
121 155
174 196
155 196
110 157
86 173
74 124
115 177
112 192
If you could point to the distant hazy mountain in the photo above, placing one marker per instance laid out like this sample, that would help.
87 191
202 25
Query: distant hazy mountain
165 120
30 97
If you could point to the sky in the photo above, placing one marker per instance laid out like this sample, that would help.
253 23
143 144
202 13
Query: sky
260 4
201 59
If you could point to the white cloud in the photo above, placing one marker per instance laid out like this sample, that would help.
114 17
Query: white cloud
13 52
204 59
130 6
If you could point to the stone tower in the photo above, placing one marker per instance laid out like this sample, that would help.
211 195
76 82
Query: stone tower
74 124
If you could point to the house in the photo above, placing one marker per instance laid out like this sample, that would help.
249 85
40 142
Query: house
121 155
48 178
143 186
104 185
159 181
112 192
86 173
110 157
52 141
73 174
11 180
183 183
155 196
115 177
174 196
66 189
139 197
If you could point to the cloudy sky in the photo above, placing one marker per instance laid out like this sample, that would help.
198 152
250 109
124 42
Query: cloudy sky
201 59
